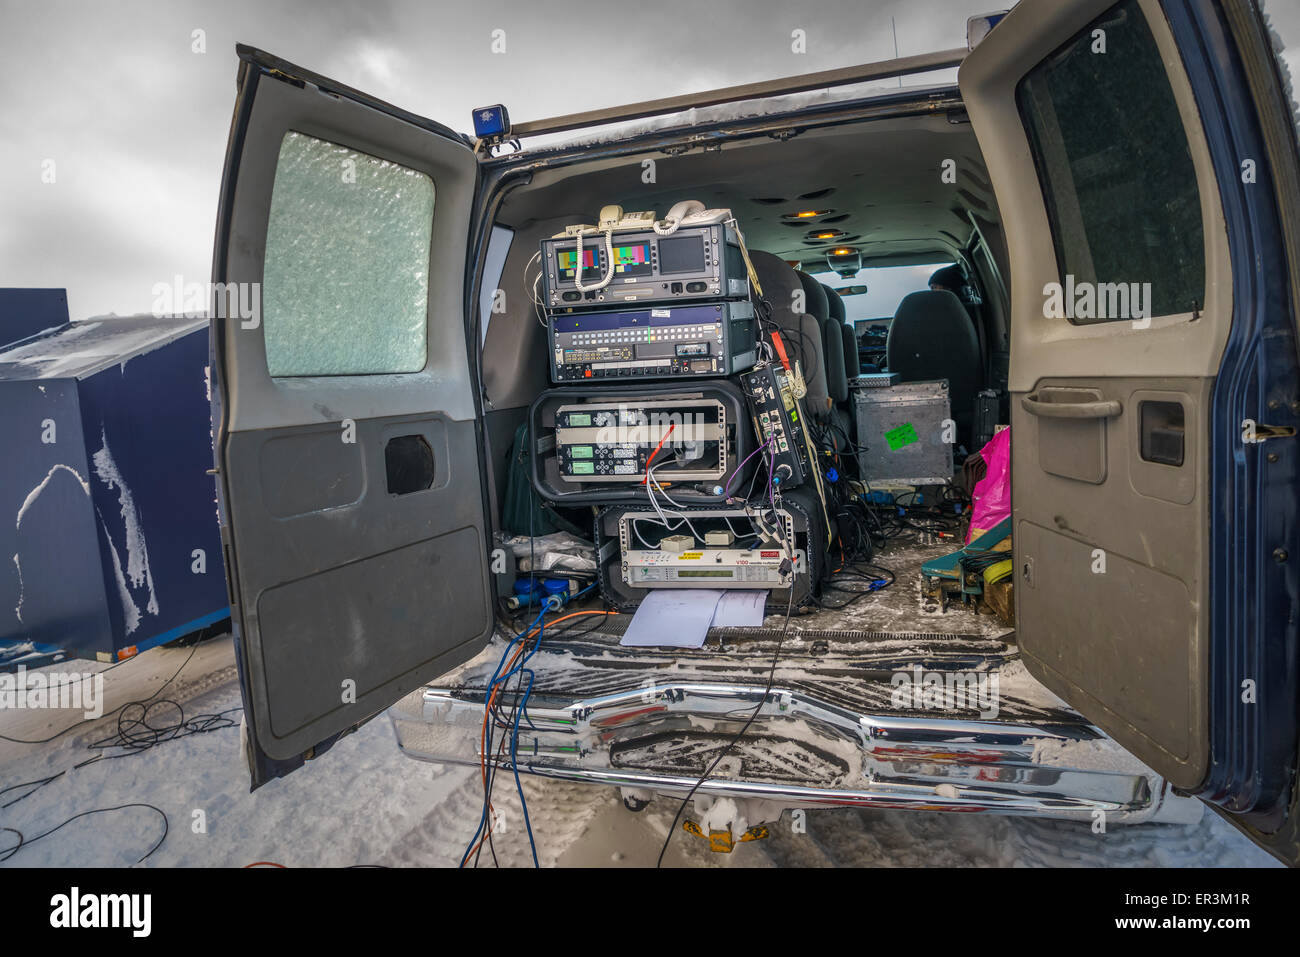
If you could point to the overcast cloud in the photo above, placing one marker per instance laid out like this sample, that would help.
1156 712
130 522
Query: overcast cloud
135 122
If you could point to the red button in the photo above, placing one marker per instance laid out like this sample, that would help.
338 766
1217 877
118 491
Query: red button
587 373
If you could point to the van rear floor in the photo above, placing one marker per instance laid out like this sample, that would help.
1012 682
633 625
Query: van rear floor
843 655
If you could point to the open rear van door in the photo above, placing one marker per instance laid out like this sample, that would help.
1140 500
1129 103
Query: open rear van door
344 408
1143 155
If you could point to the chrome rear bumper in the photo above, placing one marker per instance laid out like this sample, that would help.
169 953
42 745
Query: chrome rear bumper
633 739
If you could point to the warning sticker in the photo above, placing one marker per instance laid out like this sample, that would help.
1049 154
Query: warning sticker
900 436
691 555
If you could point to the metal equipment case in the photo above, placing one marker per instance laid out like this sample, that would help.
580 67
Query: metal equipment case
737 435
799 509
905 433
690 341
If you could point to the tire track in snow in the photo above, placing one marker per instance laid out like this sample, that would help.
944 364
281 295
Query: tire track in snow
559 811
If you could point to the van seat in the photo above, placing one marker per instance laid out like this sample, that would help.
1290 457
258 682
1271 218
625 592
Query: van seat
932 337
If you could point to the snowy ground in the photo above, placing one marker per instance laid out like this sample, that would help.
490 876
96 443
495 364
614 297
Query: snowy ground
364 803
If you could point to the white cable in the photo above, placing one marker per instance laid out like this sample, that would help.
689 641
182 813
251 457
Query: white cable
609 262
663 517
662 491
637 532
666 525
744 254
538 309
667 230
649 490
754 532
525 271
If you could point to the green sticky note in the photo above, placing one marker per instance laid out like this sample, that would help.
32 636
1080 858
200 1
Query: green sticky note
900 436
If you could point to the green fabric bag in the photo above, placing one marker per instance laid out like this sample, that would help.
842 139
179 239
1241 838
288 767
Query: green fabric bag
523 513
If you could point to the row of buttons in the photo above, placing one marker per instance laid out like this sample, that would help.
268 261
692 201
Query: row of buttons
686 332
634 370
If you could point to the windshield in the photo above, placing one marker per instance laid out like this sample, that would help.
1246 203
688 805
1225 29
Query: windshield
886 287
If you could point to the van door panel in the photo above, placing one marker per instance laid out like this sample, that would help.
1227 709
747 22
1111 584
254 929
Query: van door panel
1115 614
1142 589
345 414
1077 384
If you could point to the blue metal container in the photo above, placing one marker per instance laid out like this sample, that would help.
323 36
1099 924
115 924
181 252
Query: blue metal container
111 542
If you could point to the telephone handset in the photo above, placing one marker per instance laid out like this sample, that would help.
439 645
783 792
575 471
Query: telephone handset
690 212
611 218
673 221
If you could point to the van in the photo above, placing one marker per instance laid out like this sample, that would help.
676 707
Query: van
364 425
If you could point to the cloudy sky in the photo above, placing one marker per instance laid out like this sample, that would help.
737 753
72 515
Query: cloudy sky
115 100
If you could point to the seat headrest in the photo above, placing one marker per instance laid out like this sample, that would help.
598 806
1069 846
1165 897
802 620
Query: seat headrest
779 282
953 278
835 304
815 297
936 307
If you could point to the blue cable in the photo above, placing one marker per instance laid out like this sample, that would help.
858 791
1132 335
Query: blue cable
487 695
514 764
538 644
520 712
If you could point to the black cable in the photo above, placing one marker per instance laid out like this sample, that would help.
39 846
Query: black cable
771 680
492 776
138 732
7 853
77 724
857 593
40 783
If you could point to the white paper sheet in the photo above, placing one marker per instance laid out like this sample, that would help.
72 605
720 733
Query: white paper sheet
672 618
740 609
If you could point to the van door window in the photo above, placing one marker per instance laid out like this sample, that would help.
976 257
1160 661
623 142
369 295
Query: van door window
1115 168
345 287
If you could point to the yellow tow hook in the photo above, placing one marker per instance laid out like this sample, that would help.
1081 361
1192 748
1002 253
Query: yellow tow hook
721 842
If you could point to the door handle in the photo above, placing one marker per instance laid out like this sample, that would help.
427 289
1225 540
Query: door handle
1102 409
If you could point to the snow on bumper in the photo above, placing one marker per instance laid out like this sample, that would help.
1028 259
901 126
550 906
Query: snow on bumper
801 752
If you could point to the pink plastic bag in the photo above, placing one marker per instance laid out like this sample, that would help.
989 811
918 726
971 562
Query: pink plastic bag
991 500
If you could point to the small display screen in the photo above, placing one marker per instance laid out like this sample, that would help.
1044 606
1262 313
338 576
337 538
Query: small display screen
582 468
578 420
705 573
580 452
633 260
680 254
566 261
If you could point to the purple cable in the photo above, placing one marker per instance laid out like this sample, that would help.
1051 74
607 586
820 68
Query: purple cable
726 492
771 485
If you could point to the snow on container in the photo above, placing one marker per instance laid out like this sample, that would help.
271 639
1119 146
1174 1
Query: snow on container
110 544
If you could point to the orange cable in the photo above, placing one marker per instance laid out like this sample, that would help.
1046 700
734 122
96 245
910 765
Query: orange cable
487 711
